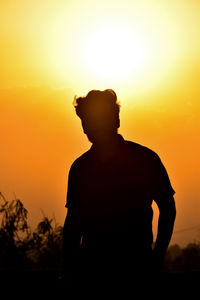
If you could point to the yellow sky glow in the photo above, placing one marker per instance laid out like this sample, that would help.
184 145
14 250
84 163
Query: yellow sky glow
148 51
115 48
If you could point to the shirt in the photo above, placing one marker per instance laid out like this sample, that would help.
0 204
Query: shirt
113 197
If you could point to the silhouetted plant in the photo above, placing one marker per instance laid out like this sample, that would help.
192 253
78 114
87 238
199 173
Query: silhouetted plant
191 256
13 226
174 259
19 245
48 243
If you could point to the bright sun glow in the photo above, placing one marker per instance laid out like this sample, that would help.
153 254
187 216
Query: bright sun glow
114 52
134 52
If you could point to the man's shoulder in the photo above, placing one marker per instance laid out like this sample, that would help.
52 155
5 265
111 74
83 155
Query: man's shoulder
141 149
78 162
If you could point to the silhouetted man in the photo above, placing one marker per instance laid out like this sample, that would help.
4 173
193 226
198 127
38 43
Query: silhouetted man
108 229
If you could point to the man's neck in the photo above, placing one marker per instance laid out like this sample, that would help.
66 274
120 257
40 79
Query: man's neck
105 147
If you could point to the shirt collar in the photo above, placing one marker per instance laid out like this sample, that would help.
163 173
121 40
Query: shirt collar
117 141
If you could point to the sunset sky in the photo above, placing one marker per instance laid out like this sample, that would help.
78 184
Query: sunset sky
148 51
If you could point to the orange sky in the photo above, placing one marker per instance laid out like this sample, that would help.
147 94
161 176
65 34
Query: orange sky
43 67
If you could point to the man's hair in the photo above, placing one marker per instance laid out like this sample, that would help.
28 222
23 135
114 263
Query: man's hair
98 103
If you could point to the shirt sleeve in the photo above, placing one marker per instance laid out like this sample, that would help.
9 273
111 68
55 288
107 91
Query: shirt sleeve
162 187
70 188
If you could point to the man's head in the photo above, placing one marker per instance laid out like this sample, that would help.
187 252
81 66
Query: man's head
99 113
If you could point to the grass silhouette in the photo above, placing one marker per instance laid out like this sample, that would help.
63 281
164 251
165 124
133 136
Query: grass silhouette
23 248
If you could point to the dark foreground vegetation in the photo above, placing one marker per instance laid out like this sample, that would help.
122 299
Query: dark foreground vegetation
33 258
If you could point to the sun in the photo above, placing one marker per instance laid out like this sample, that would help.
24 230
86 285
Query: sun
132 52
114 52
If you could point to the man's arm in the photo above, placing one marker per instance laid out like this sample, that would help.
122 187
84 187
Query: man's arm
71 242
71 230
166 221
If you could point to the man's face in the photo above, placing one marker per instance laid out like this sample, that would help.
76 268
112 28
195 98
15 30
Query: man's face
97 128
